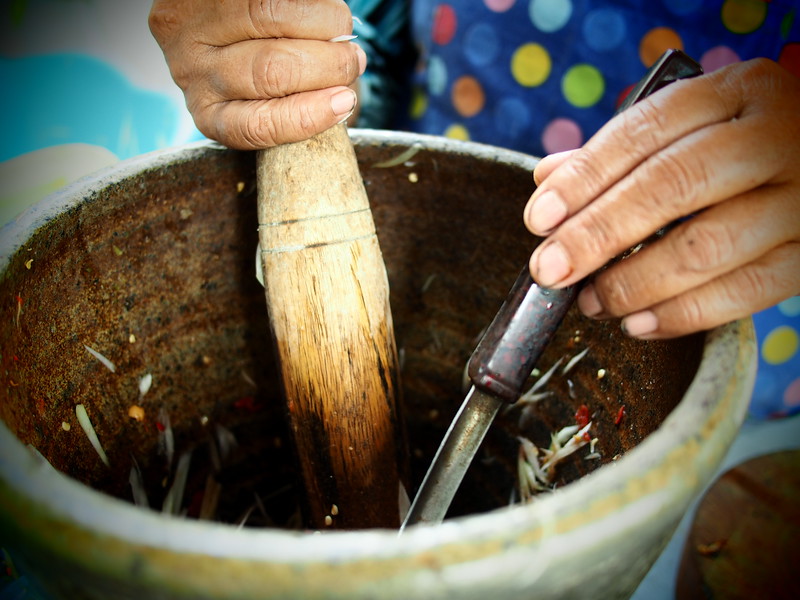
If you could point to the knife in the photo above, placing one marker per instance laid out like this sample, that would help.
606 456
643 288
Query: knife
513 342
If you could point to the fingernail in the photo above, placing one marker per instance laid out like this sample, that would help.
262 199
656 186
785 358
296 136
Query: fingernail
640 324
553 265
589 301
343 103
362 59
547 212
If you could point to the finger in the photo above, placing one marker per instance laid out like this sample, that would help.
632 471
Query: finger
755 287
632 136
697 171
257 124
619 146
263 69
549 164
717 241
231 22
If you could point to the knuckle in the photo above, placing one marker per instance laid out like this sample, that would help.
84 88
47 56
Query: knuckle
597 234
641 129
680 181
760 72
584 167
689 313
617 294
276 74
703 246
265 10
164 20
260 129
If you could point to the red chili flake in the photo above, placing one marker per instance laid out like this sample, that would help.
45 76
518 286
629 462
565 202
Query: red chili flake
620 414
19 310
582 416
160 426
587 437
247 403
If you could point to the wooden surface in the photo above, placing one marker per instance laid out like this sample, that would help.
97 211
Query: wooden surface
743 541
328 299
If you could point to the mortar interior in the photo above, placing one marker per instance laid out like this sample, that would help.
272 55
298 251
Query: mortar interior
155 270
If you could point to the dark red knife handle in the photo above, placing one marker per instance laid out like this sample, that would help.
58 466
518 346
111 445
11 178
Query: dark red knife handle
517 336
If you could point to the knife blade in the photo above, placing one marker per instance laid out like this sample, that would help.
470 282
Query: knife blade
513 342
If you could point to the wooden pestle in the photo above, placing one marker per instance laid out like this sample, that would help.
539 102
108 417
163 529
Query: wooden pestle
328 299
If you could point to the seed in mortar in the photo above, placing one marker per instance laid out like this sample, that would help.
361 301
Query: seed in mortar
136 412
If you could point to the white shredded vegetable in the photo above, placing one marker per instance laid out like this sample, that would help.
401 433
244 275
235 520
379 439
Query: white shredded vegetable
574 361
542 381
86 425
107 363
144 384
174 498
403 501
401 158
137 486
259 265
535 472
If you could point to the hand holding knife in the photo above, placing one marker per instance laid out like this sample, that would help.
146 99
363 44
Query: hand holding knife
508 351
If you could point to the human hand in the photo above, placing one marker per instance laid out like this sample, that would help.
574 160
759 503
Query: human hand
724 147
258 74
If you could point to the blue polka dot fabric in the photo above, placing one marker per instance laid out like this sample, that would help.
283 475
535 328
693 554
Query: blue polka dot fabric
541 76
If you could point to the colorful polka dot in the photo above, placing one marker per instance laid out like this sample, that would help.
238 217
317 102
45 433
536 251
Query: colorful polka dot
790 307
499 5
418 104
468 96
718 57
561 134
583 85
743 16
444 24
512 115
550 15
789 58
657 41
437 76
780 345
791 397
623 94
530 65
481 44
604 29
786 23
457 132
